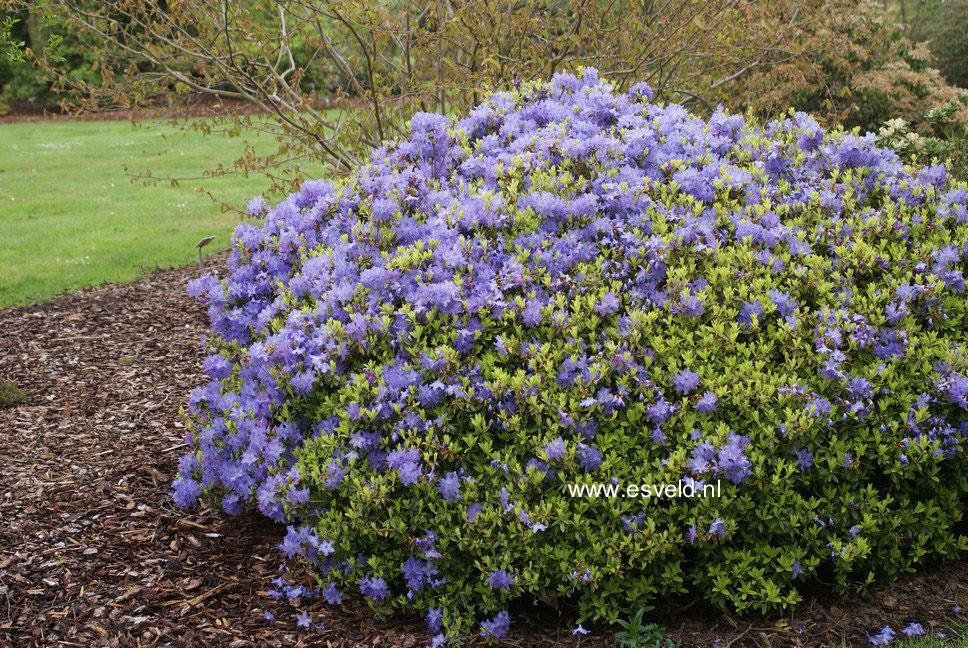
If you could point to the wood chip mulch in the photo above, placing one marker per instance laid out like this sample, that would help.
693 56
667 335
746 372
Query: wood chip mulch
93 552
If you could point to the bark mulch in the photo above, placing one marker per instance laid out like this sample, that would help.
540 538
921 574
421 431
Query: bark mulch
93 552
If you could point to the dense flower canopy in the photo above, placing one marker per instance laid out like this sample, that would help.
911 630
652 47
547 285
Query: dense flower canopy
572 286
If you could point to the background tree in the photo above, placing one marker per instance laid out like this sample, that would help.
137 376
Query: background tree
943 25
855 68
333 78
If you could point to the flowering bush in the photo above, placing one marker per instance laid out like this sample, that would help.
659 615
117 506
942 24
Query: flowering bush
947 140
570 286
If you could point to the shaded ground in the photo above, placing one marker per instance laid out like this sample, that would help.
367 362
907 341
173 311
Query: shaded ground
194 106
198 106
92 551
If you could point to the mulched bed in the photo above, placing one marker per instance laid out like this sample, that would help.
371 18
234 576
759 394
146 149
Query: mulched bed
93 552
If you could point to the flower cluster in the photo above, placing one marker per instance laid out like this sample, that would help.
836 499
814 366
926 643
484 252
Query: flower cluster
572 284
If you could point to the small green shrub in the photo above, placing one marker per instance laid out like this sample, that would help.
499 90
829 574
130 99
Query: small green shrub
10 395
636 634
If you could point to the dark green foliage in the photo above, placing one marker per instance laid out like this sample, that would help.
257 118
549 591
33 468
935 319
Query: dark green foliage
947 36
20 77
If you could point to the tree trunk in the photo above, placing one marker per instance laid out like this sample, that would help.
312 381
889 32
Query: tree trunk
36 32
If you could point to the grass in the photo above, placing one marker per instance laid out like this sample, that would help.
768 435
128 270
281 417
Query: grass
70 216
934 643
957 637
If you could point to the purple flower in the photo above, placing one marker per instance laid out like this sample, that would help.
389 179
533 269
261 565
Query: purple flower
895 311
685 381
718 527
707 403
913 630
555 450
819 407
589 457
731 460
609 304
859 388
296 591
796 570
659 411
303 620
409 473
217 367
882 638
500 580
579 630
257 206
473 510
691 306
777 164
639 90
435 618
294 540
449 486
810 141
332 595
186 492
427 545
418 573
496 627
747 312
374 588
785 306
302 383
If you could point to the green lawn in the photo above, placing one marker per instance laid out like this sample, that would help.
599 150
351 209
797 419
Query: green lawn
71 217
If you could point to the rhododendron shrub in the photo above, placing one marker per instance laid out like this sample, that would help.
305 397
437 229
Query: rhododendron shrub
570 286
